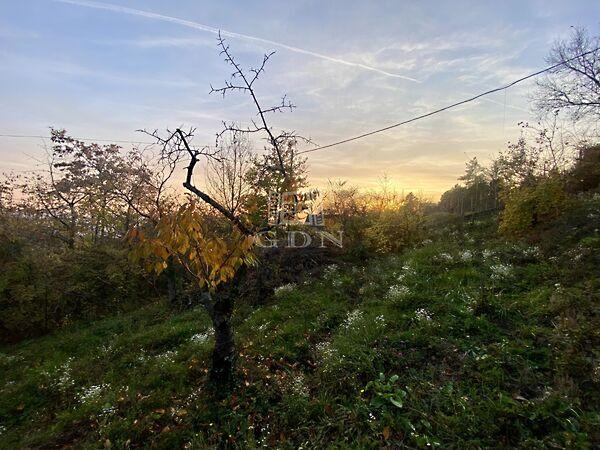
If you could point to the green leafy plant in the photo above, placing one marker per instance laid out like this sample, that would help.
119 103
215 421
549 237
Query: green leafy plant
384 392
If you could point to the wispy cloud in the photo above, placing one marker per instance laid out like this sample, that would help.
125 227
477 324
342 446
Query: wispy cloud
15 63
209 29
160 42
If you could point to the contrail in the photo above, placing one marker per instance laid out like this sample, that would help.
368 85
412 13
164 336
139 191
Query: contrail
199 26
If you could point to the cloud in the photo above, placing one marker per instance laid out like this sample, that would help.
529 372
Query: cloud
15 63
162 42
201 27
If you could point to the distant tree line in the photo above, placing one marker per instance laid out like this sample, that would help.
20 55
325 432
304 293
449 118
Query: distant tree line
556 156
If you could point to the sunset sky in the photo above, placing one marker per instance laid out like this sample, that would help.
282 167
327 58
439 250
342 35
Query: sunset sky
103 70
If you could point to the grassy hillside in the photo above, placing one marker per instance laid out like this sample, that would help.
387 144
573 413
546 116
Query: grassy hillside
466 341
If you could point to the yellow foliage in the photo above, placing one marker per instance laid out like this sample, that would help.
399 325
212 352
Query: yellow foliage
181 237
527 206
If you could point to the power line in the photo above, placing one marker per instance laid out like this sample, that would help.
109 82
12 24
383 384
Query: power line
39 136
370 133
453 105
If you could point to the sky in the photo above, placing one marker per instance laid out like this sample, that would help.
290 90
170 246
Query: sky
106 69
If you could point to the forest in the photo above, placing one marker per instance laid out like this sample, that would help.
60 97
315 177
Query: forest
144 304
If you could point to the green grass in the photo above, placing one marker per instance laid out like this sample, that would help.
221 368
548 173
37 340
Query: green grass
480 342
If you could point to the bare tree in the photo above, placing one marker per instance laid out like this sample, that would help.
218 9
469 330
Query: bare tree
541 150
226 174
180 144
143 184
281 145
574 86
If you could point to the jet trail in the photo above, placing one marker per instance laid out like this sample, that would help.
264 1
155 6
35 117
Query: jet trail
201 27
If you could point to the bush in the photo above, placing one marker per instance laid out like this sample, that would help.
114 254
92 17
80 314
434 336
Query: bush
585 174
42 290
394 230
530 205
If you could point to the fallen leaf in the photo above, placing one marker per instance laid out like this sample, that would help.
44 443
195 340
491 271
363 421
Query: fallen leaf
386 433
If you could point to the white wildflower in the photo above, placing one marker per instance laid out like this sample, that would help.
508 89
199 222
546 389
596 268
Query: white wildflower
168 356
108 411
408 269
91 392
445 257
487 253
331 274
263 326
325 351
2 430
422 314
296 385
330 271
532 252
353 318
106 349
142 357
201 338
500 271
337 282
284 289
466 255
547 393
397 291
469 302
596 372
64 380
193 396
7 359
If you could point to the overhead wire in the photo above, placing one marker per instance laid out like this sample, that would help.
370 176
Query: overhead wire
453 105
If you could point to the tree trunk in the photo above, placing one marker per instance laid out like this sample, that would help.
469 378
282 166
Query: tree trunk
72 225
174 285
220 310
171 289
223 358
126 225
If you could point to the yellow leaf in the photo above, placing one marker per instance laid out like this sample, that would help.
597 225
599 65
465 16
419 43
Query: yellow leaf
386 433
159 267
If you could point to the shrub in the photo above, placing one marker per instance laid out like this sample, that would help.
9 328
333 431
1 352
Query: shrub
585 174
530 205
45 289
394 230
